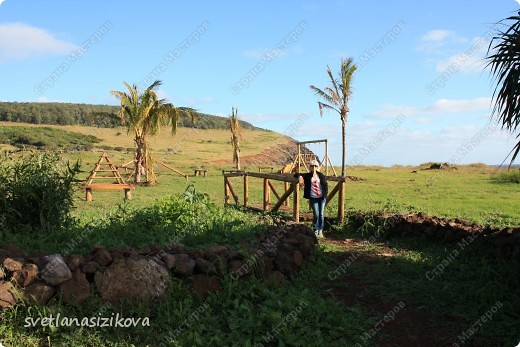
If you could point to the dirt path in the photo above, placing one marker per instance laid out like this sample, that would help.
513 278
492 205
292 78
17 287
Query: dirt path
400 323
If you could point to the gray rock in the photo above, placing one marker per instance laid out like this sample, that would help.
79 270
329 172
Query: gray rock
137 278
55 270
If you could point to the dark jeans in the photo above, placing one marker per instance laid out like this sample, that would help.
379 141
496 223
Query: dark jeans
318 212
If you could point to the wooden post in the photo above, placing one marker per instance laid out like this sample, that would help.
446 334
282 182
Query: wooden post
88 194
286 185
326 158
267 194
296 202
341 201
226 191
299 158
246 190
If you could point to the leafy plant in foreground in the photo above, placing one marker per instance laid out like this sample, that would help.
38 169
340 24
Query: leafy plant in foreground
36 192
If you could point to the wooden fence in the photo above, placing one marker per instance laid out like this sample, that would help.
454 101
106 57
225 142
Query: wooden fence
291 187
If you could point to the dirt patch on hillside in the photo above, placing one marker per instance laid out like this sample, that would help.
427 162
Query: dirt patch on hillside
275 155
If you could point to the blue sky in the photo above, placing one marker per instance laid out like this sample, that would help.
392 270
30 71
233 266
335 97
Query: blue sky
421 92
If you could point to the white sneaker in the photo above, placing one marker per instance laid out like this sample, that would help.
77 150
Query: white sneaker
320 233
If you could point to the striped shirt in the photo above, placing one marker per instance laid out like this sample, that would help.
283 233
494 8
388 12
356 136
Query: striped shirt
315 187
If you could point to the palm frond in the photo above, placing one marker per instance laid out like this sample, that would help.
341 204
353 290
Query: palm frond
503 59
323 95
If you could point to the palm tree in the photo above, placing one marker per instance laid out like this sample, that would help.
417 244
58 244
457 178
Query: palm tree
504 60
236 136
337 97
144 114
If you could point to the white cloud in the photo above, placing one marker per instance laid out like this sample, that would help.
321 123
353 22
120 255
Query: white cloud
1 1
470 60
19 41
438 41
456 144
439 107
436 35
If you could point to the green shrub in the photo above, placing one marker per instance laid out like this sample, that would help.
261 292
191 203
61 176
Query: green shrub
36 192
510 176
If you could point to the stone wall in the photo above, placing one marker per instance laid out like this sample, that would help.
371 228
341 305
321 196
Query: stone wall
125 274
505 241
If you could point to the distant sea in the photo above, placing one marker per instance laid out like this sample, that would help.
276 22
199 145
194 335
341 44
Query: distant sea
505 166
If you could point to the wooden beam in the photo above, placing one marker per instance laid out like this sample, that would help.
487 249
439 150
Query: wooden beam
267 194
336 178
341 202
274 190
274 176
232 190
283 198
296 202
232 174
313 141
287 187
172 169
226 191
88 194
246 191
332 193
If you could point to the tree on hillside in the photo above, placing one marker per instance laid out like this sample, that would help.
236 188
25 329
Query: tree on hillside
144 114
504 60
236 136
336 97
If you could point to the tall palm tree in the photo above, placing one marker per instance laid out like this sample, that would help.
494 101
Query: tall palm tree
336 97
504 60
234 126
144 114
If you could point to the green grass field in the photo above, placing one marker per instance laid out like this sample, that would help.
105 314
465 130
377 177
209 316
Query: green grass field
346 310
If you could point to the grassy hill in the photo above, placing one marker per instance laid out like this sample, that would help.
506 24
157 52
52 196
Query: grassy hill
189 147
60 113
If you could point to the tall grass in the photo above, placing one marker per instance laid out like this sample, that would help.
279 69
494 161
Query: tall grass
36 192
510 176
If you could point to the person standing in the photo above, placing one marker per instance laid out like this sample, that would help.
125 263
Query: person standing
315 189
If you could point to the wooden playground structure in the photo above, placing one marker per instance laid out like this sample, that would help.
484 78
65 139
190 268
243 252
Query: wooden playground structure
291 187
304 157
104 170
129 167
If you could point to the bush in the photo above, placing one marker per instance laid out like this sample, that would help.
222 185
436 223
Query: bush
511 176
36 192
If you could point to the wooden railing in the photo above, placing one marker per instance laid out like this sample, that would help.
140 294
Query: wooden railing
291 187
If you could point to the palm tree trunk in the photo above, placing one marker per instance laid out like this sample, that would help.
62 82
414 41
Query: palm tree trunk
139 158
344 148
150 175
238 159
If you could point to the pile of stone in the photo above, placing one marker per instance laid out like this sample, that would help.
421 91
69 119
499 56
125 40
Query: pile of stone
506 241
124 274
